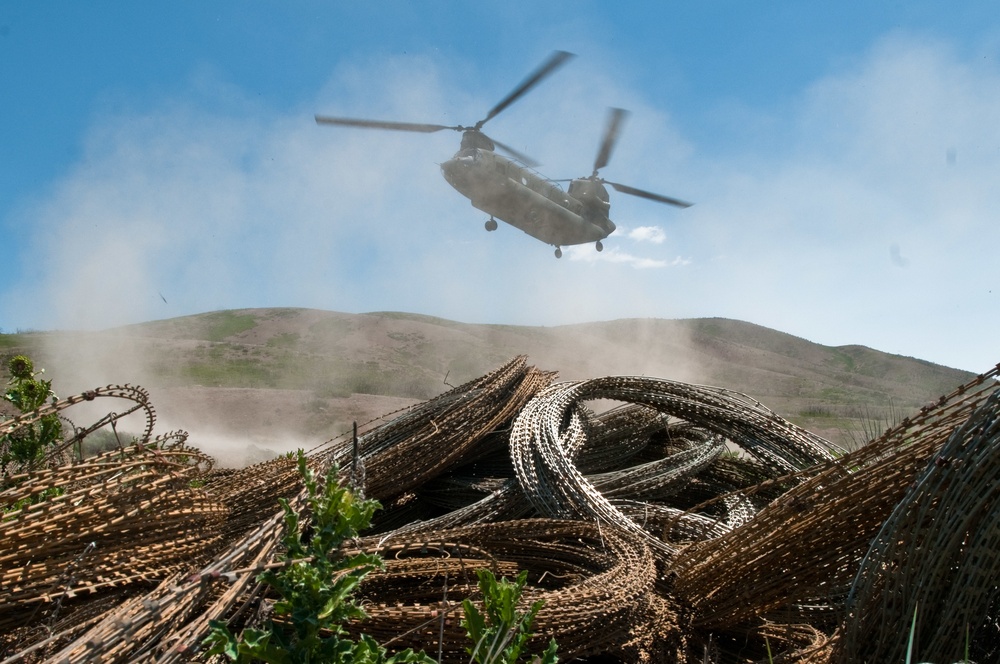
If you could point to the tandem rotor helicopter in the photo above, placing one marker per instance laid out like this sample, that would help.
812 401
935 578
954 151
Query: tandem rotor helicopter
512 191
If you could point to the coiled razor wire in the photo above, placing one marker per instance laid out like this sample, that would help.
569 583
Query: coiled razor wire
56 454
804 548
645 535
549 433
943 542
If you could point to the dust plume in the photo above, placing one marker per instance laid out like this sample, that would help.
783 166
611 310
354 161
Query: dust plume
176 209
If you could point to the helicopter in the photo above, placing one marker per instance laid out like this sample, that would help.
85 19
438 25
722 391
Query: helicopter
512 191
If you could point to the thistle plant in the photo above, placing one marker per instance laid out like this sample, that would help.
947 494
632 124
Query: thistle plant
501 635
316 588
27 392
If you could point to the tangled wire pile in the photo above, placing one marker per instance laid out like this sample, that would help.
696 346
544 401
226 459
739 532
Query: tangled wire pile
687 523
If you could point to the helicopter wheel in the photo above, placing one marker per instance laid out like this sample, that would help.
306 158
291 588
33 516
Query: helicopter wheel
491 224
558 252
599 246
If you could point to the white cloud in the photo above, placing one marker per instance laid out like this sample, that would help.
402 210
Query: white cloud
587 254
652 234
612 255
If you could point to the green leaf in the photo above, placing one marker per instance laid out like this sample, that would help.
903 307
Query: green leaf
221 641
500 636
474 623
256 638
549 656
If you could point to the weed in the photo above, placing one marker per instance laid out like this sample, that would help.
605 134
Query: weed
35 498
27 392
499 636
316 587
913 632
316 590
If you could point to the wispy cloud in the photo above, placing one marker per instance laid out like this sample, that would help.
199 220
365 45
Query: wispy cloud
617 255
652 234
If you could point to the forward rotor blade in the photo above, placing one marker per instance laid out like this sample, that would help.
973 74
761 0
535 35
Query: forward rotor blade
379 124
520 156
554 62
615 118
625 189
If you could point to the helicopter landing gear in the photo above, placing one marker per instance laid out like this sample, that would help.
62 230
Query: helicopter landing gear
558 252
491 224
599 246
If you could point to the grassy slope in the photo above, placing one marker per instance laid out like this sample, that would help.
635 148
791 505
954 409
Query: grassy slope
838 392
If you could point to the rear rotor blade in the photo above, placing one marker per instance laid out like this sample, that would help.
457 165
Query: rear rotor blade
379 124
554 62
625 189
615 118
520 156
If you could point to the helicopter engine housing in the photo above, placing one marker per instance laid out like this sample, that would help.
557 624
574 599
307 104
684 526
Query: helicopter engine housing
596 202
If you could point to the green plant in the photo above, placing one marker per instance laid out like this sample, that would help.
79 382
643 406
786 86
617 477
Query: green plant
316 587
221 325
27 392
913 632
9 511
500 636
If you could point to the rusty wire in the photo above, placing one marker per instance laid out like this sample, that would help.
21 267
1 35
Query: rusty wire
647 536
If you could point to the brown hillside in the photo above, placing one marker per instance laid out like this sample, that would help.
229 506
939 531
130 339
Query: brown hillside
247 381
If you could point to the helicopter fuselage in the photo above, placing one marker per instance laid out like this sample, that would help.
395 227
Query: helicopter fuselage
519 196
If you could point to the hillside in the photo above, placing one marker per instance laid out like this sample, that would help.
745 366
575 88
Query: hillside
285 378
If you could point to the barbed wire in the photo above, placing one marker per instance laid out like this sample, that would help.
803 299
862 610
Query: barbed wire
683 521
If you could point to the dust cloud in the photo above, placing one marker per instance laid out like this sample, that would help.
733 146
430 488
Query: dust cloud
237 427
175 210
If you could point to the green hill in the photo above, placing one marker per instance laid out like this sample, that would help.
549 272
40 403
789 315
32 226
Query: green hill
311 372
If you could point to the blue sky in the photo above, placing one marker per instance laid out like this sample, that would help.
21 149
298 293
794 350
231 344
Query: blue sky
844 162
